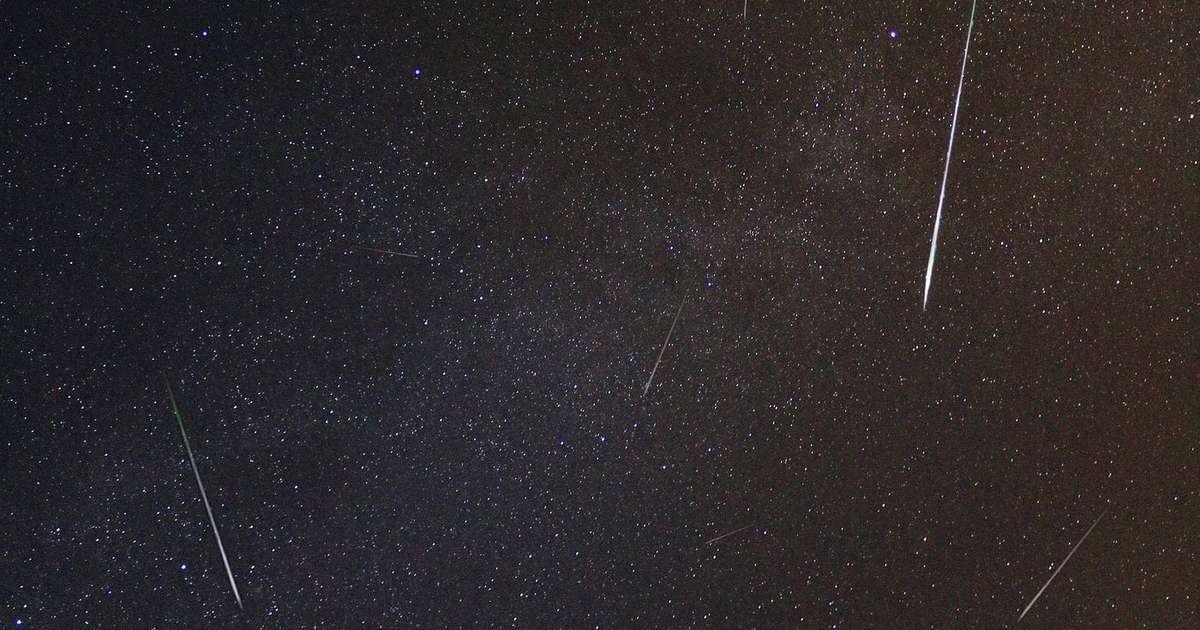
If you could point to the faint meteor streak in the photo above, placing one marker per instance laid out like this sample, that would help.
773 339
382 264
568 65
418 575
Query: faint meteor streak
1061 565
745 6
726 535
937 221
204 496
385 251
646 389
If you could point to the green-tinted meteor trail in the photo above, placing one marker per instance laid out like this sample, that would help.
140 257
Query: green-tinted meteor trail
203 495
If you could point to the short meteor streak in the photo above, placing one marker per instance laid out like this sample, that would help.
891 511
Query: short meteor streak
727 534
646 389
937 221
1060 566
385 251
204 495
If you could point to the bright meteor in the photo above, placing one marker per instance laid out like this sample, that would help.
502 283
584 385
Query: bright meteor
937 221
204 495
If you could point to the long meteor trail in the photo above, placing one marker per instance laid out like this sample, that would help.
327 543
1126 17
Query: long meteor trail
1061 565
664 347
937 221
204 496
384 251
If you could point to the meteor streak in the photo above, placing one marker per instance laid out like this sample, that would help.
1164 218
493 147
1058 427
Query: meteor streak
646 389
1060 566
385 251
937 221
204 495
727 535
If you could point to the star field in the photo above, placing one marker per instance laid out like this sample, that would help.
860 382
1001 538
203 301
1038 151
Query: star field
458 437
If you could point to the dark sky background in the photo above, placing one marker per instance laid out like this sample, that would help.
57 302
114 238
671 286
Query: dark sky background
460 439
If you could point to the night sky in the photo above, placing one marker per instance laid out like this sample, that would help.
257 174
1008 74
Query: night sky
459 438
